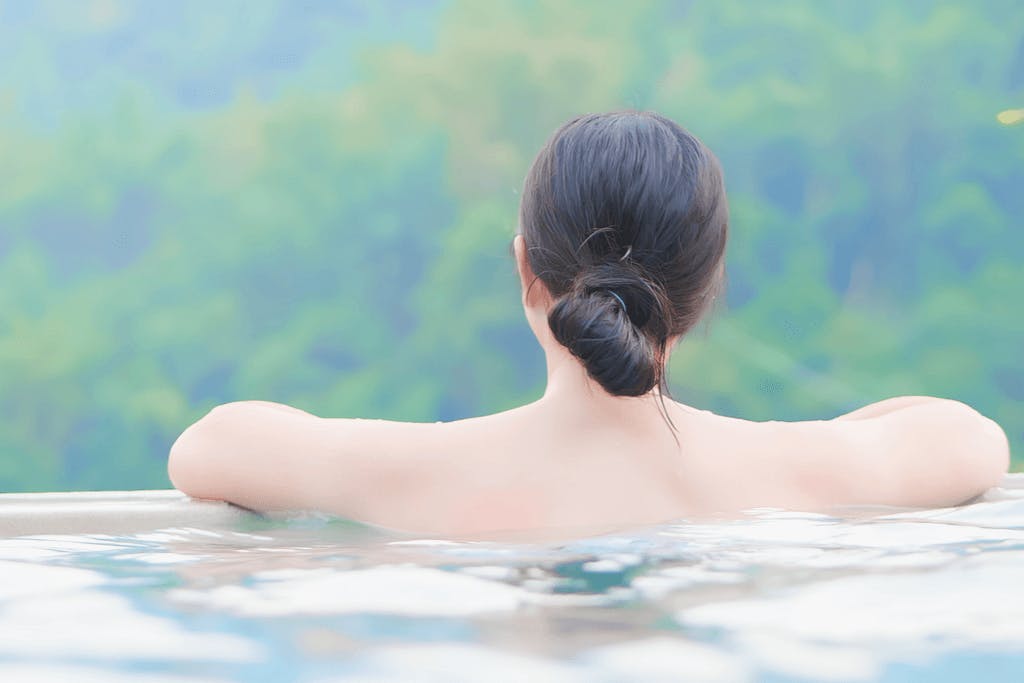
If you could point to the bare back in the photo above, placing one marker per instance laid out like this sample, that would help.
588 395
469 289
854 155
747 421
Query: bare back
620 247
540 467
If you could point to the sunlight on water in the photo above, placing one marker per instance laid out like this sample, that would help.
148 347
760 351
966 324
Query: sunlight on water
923 595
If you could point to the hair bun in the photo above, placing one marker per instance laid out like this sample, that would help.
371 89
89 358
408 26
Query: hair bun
611 320
628 203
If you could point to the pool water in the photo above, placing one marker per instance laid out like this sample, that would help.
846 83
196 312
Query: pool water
872 595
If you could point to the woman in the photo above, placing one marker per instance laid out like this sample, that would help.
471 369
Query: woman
623 228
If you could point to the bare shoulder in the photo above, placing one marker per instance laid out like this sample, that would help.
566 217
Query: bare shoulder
935 452
268 456
912 451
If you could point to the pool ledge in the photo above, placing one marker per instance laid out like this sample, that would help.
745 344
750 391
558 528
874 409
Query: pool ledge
120 512
109 512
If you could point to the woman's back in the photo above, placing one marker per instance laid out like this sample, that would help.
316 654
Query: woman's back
620 251
529 468
546 469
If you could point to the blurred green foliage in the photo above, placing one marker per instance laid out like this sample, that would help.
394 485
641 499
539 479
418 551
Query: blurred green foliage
312 203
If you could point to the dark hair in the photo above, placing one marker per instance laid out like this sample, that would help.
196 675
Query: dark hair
625 222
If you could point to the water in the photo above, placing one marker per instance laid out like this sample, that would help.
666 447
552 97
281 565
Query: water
776 596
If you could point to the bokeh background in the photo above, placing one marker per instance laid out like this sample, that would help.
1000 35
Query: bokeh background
312 202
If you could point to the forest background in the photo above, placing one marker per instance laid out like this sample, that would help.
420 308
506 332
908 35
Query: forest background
312 203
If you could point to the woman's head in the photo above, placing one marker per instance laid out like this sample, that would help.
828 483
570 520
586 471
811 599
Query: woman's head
624 220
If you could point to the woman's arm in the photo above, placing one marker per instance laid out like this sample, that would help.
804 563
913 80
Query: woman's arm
236 453
266 456
912 451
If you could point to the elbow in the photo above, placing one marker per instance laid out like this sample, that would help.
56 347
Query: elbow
994 451
192 464
187 463
937 454
984 448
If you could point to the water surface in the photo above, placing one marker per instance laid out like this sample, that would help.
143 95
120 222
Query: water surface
776 596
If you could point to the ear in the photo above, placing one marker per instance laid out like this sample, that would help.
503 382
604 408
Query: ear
526 275
535 293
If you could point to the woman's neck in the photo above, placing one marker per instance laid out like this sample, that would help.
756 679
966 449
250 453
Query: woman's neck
573 395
